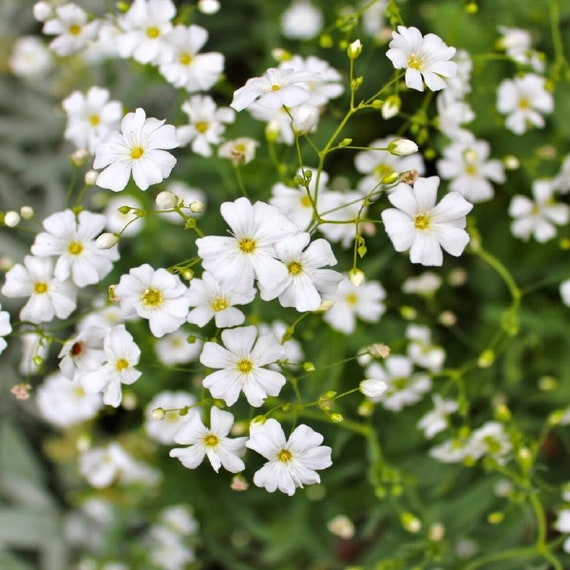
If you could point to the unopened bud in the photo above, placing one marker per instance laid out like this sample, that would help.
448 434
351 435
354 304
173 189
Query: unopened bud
356 276
239 483
196 207
27 212
106 241
379 350
166 200
373 388
511 162
208 7
11 219
91 177
402 147
336 418
42 11
410 522
354 49
342 527
281 55
391 106
305 119
158 414
436 532
486 359
79 157
325 305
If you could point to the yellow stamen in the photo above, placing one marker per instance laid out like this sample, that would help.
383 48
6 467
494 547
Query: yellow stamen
422 221
185 59
295 268
75 248
219 304
244 366
201 126
137 152
247 245
75 29
151 297
153 32
121 364
211 440
40 288
284 455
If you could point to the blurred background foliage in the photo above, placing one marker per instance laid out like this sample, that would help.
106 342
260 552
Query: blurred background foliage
255 530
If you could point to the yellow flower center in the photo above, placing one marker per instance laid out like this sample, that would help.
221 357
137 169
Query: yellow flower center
415 62
40 288
471 169
244 366
75 29
219 304
247 245
211 440
275 87
284 455
422 221
137 152
94 120
351 299
121 364
75 248
185 58
524 103
153 32
295 268
201 126
306 202
151 297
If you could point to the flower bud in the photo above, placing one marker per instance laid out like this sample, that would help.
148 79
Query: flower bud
79 157
373 388
356 276
196 207
11 219
402 147
410 522
158 414
106 241
91 177
42 11
305 119
166 200
27 212
342 527
239 483
391 106
354 49
208 7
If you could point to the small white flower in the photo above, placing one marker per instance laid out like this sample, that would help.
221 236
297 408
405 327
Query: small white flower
421 349
175 348
213 301
212 442
144 26
185 67
73 239
72 29
418 224
402 147
48 297
425 58
82 353
250 253
5 329
241 365
373 388
274 89
304 119
139 149
172 403
156 295
307 283
561 182
364 302
491 440
30 58
239 151
206 125
90 117
525 100
564 292
121 357
301 21
437 420
562 523
539 217
63 403
404 387
292 462
425 284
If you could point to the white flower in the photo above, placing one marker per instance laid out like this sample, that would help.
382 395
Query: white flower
30 58
467 165
492 440
373 388
241 366
301 21
539 217
326 83
564 292
90 117
250 253
213 301
207 124
452 115
138 149
517 45
561 182
292 462
163 430
71 28
5 329
381 165
437 420
144 26
274 89
402 147
185 67
121 357
103 466
404 387
525 100
167 550
48 296
304 119
421 349
239 151
175 348
73 239
212 443
425 58
63 403
82 353
293 350
350 301
307 282
156 295
562 523
418 224
425 284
